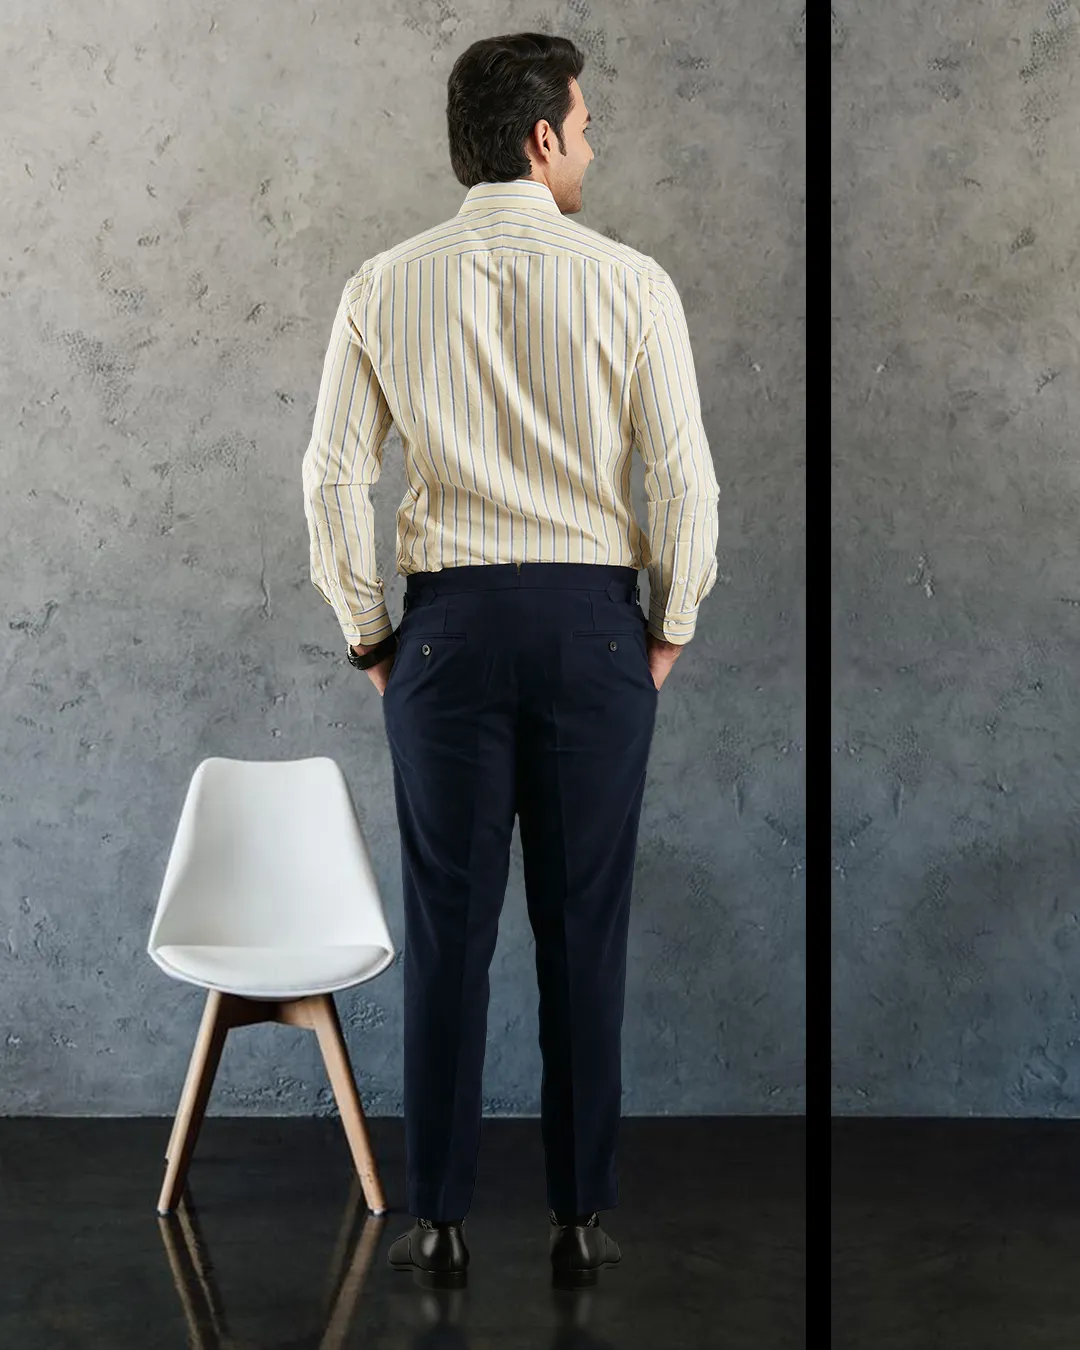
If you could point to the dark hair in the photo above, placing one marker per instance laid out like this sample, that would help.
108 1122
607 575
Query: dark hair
498 90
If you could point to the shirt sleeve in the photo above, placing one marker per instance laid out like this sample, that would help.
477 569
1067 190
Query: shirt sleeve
342 461
680 481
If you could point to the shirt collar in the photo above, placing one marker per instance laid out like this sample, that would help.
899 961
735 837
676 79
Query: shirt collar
517 192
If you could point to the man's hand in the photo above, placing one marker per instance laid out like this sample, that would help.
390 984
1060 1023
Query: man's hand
377 674
662 656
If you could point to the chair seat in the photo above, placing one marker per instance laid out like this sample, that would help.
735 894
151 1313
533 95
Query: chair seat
272 972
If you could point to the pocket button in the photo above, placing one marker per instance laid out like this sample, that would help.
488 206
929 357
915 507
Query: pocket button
426 649
613 645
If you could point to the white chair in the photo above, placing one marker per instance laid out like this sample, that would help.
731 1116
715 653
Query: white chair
271 904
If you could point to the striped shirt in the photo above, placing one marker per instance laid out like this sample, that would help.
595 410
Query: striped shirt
521 356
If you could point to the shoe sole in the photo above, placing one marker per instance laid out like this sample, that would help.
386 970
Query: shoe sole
434 1279
578 1279
440 1279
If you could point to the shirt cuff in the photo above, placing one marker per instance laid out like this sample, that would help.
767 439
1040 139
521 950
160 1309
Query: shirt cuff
677 629
368 630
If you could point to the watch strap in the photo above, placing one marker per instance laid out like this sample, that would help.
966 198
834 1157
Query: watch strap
377 653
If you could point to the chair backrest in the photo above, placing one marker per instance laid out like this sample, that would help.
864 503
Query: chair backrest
269 853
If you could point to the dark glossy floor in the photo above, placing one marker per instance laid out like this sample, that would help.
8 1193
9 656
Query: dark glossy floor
956 1233
274 1249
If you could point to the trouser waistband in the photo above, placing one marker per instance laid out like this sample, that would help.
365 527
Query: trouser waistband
610 577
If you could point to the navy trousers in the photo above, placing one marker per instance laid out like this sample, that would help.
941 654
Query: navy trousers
517 690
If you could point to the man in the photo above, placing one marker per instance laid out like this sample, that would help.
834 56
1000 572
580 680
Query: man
521 357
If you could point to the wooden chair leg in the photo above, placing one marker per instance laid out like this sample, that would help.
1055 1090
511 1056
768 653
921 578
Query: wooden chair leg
200 1078
324 1021
188 1083
224 1011
172 1136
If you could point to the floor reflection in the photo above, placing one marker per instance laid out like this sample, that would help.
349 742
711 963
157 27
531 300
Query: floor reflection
192 1271
192 1268
273 1247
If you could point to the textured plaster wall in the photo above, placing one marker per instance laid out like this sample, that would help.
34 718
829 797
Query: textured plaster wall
956 593
184 191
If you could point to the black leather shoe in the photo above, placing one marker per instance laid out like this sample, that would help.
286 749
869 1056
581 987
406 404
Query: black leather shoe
579 1249
435 1252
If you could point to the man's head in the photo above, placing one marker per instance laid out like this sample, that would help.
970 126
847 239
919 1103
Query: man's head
514 109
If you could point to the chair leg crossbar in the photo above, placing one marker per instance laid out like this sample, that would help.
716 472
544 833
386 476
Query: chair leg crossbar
222 1013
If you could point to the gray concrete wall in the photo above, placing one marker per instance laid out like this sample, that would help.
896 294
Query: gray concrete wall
956 597
184 191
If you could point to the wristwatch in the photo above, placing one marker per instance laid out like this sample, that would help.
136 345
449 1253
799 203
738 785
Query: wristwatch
377 654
